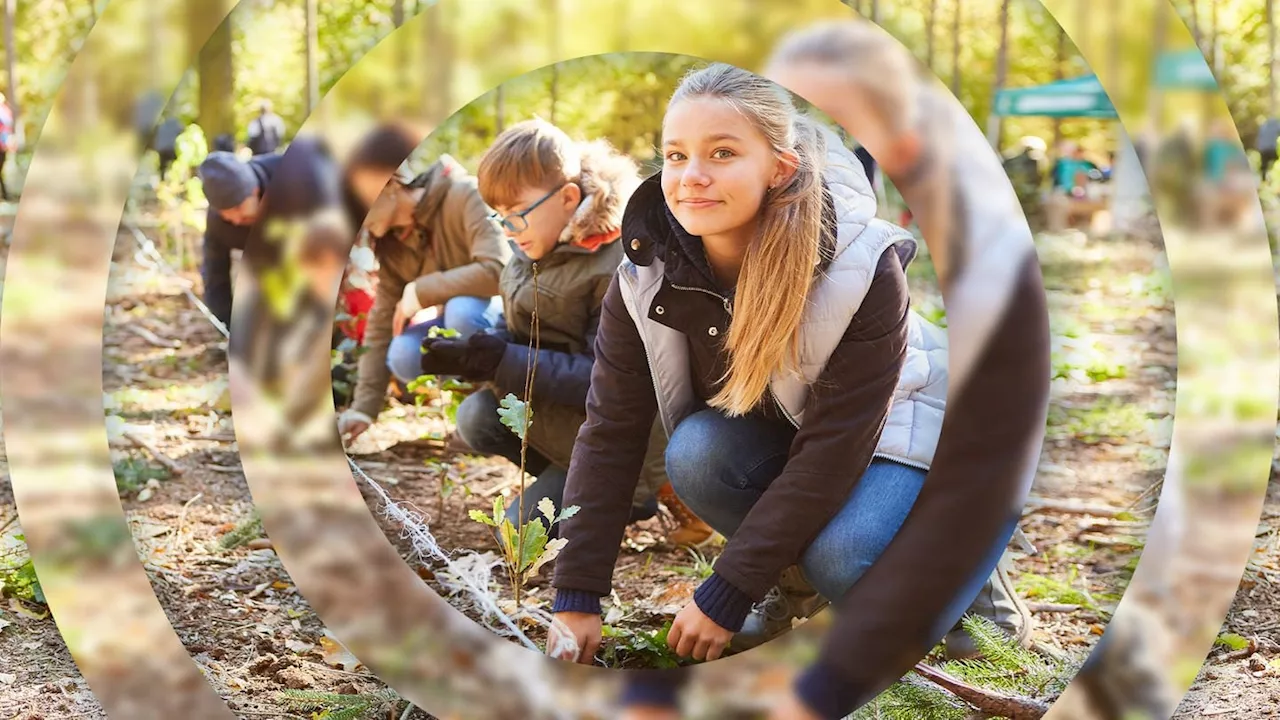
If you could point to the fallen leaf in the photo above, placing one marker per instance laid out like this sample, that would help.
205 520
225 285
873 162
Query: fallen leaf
145 494
7 679
281 585
4 624
337 655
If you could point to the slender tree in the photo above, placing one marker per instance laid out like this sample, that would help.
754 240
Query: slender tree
214 66
929 23
312 53
955 49
994 124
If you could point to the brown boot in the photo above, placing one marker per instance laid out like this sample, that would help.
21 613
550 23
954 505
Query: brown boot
690 529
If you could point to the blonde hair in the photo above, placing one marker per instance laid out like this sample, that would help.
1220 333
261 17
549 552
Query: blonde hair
529 154
903 100
778 267
873 59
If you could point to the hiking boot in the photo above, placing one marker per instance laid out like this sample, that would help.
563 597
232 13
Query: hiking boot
999 603
793 597
690 529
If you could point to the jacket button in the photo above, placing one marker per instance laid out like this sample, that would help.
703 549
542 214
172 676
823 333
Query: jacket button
659 309
635 243
712 331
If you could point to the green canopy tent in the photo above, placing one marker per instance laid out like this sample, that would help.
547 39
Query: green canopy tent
1184 70
1081 97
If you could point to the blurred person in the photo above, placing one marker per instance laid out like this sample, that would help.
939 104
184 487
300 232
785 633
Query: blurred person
235 190
266 131
377 157
165 143
1265 144
561 204
438 249
1227 185
8 141
275 342
224 142
1025 174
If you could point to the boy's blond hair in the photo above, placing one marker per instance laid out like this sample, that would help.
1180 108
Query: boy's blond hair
529 154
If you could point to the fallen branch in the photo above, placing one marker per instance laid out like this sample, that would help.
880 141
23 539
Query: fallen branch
182 522
1035 505
1242 653
987 701
152 338
160 457
1052 607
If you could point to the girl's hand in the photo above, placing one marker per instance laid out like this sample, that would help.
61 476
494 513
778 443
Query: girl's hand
575 630
791 708
694 634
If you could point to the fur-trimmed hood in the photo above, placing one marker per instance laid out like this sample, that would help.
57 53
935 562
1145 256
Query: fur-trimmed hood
607 181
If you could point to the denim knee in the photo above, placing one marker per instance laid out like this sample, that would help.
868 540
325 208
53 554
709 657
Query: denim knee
691 456
478 423
469 315
404 358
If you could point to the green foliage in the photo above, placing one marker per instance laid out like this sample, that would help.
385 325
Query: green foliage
19 580
337 706
527 549
1005 667
627 647
701 569
1231 641
133 473
515 414
249 528
1053 590
1110 420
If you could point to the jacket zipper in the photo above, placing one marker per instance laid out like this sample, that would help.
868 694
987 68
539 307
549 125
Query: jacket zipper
644 345
727 307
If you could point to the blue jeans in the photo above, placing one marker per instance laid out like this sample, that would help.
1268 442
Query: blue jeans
721 466
468 315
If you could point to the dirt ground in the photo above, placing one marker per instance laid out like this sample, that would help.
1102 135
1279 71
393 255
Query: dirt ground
240 617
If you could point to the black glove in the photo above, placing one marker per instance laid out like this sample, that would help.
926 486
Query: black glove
476 358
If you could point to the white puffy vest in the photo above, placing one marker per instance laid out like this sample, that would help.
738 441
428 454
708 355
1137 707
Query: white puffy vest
914 423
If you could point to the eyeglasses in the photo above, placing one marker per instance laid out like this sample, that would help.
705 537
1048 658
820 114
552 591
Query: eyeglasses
516 223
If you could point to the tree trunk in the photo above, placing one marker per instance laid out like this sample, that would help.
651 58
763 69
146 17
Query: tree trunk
11 68
875 11
439 47
397 13
217 79
1271 57
929 21
955 49
313 60
1213 37
553 15
500 108
994 124
1195 24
